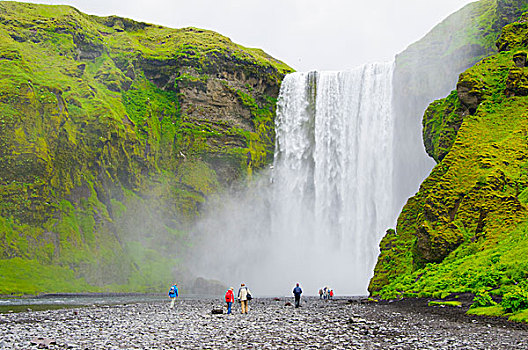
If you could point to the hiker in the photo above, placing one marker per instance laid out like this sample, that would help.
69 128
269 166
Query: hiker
173 293
229 298
297 291
244 295
325 293
320 293
331 293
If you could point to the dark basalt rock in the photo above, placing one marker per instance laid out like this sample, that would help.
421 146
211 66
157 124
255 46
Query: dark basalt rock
520 59
470 94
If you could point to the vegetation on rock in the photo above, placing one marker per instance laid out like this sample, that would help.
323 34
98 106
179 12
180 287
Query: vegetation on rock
466 230
112 135
428 70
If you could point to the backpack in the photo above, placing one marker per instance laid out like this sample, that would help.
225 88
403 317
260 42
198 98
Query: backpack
248 296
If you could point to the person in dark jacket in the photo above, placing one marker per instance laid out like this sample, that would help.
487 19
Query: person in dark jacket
297 291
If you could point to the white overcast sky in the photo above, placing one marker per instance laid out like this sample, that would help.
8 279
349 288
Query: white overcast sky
306 34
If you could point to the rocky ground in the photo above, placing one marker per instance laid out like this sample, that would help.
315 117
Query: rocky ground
335 324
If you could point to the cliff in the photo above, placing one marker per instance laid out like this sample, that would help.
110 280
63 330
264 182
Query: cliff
112 135
429 69
465 229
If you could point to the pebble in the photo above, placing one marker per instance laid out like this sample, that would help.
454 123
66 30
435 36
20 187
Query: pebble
318 324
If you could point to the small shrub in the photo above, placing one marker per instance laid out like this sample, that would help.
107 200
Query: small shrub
515 300
482 299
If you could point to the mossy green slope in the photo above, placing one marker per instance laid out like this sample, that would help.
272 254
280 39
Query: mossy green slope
466 230
429 69
112 135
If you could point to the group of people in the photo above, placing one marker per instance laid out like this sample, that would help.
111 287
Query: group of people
244 296
326 293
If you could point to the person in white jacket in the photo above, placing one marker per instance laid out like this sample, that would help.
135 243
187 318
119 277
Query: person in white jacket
244 295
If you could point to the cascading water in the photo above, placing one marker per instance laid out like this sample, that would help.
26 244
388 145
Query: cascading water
333 173
320 219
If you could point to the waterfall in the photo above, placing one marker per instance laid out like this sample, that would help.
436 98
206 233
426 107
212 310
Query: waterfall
332 173
330 199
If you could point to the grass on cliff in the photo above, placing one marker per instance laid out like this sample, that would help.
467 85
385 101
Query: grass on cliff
466 230
93 140
22 276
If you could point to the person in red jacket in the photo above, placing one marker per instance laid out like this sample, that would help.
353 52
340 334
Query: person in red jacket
229 298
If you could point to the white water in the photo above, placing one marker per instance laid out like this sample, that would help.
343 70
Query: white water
333 172
331 195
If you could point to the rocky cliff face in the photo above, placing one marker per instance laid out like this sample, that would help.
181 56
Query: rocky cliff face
465 230
113 133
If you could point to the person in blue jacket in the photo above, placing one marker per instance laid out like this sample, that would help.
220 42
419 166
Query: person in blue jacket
297 291
173 293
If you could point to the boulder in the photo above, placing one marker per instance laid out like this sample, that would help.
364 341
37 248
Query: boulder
42 342
520 59
469 92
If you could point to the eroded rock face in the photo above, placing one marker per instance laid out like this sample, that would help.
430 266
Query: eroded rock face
469 93
517 81
520 59
514 35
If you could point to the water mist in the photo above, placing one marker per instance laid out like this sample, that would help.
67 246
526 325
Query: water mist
317 216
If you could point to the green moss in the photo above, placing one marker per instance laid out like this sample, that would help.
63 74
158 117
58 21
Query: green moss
22 276
465 231
445 303
519 317
92 132
495 311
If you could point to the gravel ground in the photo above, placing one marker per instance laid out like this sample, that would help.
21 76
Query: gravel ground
318 324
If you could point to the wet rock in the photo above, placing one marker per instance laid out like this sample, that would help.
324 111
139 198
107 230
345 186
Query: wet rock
469 92
43 342
356 319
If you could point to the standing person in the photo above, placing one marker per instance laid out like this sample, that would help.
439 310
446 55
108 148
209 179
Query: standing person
244 295
297 291
320 293
173 293
229 298
331 293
